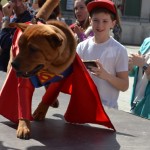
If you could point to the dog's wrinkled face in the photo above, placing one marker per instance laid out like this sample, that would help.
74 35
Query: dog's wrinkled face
40 47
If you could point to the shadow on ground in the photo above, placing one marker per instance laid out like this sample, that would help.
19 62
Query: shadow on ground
56 134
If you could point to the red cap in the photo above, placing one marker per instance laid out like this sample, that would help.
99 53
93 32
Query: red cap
108 4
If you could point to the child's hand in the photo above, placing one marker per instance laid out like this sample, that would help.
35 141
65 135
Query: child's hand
78 30
99 71
137 60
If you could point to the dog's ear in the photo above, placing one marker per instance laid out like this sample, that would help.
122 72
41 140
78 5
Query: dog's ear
54 40
21 26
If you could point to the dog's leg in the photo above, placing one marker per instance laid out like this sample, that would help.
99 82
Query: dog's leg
55 104
49 99
23 131
25 93
40 112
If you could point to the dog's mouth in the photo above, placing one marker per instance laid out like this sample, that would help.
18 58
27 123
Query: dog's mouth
31 73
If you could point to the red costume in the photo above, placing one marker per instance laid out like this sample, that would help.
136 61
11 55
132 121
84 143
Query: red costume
85 104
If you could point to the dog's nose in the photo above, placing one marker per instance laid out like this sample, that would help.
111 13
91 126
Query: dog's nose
15 65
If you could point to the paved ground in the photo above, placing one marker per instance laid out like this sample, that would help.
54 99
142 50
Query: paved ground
54 134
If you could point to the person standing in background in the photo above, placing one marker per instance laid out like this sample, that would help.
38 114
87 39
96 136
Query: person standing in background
111 73
14 11
81 27
139 68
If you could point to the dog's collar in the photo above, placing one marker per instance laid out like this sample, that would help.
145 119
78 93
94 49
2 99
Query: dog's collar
44 78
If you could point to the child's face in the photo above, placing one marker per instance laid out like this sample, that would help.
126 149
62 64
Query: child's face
80 10
102 23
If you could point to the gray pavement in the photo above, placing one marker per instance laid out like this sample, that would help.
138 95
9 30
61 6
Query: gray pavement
54 133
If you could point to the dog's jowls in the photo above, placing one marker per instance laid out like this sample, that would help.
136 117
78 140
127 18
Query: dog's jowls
50 47
46 47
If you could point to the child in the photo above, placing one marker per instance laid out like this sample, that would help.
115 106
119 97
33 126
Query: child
111 73
81 27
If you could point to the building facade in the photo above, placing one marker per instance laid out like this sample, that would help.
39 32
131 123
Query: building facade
135 18
136 21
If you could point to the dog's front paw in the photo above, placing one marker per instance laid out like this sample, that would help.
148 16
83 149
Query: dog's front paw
23 131
40 112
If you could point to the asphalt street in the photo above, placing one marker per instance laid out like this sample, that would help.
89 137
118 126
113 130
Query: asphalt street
54 133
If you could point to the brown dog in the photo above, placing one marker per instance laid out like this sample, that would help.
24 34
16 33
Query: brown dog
46 43
49 47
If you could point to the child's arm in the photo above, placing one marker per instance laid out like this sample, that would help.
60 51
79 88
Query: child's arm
119 81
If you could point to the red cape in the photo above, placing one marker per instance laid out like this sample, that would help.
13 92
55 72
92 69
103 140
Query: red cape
85 104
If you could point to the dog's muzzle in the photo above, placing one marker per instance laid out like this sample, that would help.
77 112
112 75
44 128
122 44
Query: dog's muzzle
19 73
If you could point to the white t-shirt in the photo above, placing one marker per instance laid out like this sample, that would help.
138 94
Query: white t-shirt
113 57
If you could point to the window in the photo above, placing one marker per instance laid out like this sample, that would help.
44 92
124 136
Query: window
132 8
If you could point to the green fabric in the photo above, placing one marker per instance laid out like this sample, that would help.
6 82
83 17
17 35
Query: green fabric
133 71
134 74
142 109
145 47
